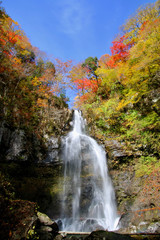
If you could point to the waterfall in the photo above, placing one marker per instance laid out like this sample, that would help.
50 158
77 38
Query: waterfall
88 199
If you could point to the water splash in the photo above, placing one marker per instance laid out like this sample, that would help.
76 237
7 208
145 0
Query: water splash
88 199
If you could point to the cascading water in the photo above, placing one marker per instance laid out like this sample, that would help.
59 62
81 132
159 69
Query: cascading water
88 199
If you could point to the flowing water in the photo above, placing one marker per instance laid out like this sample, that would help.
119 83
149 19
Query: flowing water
88 199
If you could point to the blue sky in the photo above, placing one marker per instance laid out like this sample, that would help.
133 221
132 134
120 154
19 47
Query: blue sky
72 29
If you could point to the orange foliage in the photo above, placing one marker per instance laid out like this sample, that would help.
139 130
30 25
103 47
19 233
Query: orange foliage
27 83
87 84
151 187
119 51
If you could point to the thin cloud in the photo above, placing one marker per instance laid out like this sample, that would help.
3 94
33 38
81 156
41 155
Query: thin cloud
73 16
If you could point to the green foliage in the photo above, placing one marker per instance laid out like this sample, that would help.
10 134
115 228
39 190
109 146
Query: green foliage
145 165
91 63
32 234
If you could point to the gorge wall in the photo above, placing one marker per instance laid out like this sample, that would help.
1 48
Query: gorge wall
30 167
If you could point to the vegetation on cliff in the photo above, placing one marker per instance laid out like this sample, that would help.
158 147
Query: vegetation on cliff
120 95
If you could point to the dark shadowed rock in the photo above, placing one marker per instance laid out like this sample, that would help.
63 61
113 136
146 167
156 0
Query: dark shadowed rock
18 218
107 236
116 150
46 228
58 237
17 146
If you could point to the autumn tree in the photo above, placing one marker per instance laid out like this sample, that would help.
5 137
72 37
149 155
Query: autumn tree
84 78
119 51
144 14
29 81
90 65
127 100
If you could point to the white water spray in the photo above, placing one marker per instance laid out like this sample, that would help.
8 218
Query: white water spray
88 199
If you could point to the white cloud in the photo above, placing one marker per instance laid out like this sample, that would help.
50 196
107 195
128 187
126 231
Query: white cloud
73 16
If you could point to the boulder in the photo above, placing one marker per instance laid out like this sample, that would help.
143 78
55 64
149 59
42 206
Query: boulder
107 236
44 220
46 228
58 237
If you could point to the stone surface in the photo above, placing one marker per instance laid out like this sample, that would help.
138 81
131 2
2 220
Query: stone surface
17 146
58 237
137 211
116 152
53 145
46 228
46 221
107 236
24 145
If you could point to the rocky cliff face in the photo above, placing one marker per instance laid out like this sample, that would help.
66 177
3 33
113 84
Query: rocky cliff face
137 193
22 145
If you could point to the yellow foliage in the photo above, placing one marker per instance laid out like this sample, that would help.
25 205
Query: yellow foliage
36 82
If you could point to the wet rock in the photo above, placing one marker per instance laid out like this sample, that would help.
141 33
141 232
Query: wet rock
52 156
45 235
52 142
84 145
17 146
142 227
154 227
